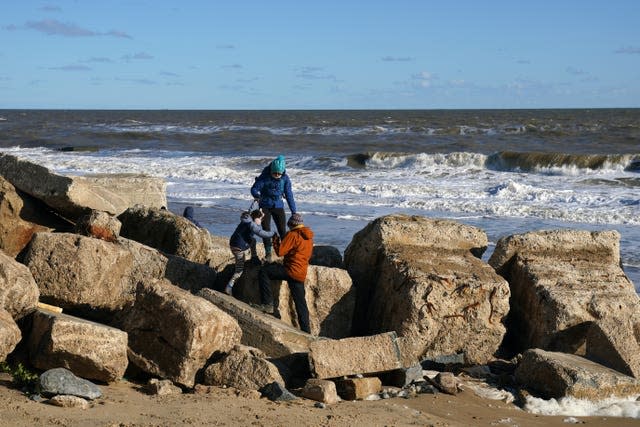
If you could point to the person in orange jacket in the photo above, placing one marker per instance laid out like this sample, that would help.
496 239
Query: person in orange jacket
296 248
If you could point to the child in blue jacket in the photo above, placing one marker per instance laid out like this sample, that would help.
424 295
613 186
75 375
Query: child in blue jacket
243 238
269 188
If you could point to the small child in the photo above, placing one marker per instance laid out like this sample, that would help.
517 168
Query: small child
243 238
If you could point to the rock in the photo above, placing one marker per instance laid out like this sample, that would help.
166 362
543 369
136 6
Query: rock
562 283
443 362
105 276
327 256
446 382
420 277
162 387
67 401
87 349
613 342
556 375
402 377
598 246
18 290
62 381
82 273
21 216
167 232
172 333
350 356
330 299
358 388
151 263
10 334
323 391
243 368
274 337
277 392
73 197
100 225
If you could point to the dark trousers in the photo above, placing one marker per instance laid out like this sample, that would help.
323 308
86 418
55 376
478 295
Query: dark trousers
279 218
277 272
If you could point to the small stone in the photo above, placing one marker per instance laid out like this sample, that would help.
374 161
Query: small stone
320 405
67 401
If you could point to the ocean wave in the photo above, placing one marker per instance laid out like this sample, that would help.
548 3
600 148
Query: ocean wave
562 163
391 160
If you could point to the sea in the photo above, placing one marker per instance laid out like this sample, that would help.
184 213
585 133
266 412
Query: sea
504 171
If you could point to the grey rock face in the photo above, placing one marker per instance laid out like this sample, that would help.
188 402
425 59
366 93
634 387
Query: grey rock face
62 381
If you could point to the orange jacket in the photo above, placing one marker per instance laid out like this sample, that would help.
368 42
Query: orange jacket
296 248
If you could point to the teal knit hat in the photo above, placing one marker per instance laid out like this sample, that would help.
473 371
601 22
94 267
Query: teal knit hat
277 165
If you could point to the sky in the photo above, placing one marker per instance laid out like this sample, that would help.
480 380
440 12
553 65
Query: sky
323 54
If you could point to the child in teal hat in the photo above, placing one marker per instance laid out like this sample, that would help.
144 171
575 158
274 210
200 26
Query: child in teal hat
269 188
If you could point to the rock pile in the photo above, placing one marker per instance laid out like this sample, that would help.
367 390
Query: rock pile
139 290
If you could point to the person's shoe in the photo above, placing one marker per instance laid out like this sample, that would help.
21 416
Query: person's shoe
229 289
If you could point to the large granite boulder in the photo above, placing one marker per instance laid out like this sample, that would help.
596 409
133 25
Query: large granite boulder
553 375
73 196
245 368
565 283
167 232
355 355
77 272
89 350
10 334
173 333
18 291
420 277
95 278
100 225
330 297
21 216
151 263
329 293
262 331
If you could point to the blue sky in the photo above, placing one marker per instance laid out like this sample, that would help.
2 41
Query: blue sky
319 55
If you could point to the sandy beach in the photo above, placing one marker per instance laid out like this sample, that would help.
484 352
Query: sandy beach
125 404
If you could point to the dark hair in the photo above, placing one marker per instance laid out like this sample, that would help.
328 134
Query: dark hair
256 214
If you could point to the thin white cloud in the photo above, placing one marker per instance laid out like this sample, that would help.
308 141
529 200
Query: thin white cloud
137 81
136 56
225 46
397 58
233 66
169 74
99 59
314 73
53 27
576 71
629 50
71 68
423 79
50 8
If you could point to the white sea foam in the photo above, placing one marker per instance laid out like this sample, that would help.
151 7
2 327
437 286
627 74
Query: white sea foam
611 407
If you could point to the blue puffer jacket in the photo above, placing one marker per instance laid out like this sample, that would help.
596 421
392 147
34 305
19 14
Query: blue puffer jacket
270 190
247 231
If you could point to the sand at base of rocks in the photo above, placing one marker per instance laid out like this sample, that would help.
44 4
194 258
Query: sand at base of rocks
125 404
